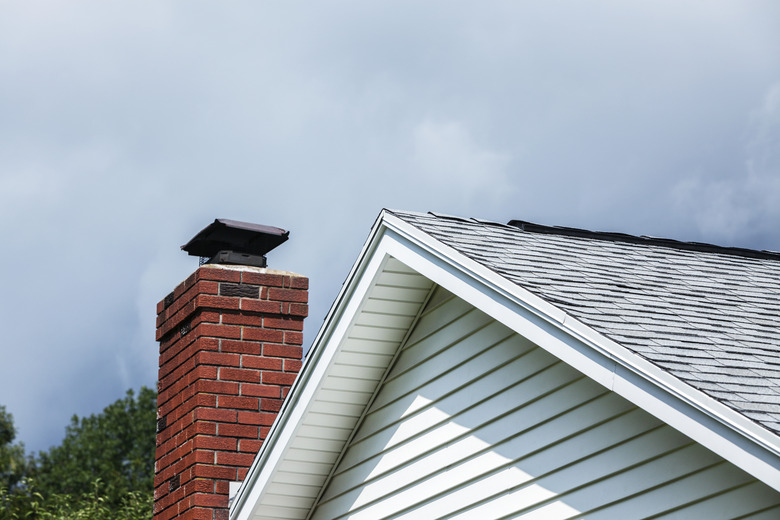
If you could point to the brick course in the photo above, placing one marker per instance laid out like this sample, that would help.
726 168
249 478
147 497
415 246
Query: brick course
230 347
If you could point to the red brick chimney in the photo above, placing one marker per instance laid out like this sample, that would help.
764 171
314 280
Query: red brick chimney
230 347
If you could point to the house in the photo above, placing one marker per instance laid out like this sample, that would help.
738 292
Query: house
470 369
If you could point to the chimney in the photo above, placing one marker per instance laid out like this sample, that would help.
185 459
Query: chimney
230 347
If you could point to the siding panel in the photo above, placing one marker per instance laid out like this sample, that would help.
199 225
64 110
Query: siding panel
473 421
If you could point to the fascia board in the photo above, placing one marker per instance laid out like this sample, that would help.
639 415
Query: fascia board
324 348
695 414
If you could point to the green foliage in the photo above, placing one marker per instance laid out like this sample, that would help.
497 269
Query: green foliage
93 505
13 463
104 468
116 446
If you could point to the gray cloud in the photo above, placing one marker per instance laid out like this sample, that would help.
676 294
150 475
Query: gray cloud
128 126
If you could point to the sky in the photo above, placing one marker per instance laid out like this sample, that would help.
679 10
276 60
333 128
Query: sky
128 126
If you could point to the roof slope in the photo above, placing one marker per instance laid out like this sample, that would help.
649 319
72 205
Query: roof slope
709 316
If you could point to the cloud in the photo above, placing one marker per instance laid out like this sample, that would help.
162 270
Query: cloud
744 207
447 158
128 126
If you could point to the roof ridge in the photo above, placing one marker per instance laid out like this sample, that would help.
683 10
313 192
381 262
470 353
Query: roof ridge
643 239
611 236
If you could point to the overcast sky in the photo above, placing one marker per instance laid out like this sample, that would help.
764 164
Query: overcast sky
128 126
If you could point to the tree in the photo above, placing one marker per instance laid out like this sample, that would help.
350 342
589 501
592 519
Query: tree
104 467
116 446
13 464
89 506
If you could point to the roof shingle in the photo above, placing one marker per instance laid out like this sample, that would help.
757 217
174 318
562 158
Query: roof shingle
710 316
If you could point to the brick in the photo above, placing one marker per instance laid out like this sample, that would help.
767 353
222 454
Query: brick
263 306
292 365
257 418
216 443
266 279
216 415
283 323
217 302
247 375
209 500
219 274
218 387
201 428
235 459
293 338
204 287
279 378
273 391
299 309
284 351
208 471
288 295
204 456
197 513
238 430
258 334
299 282
220 359
250 320
261 363
221 486
244 403
199 486
239 290
270 405
219 331
249 445
242 347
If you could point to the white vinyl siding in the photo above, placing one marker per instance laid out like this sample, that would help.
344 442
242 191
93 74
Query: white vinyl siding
473 421
373 340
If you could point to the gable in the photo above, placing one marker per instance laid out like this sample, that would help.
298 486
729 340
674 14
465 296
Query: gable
378 312
475 421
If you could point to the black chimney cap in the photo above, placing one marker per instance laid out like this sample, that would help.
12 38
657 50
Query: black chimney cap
235 236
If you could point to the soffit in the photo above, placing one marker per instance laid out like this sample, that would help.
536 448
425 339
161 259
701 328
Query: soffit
386 314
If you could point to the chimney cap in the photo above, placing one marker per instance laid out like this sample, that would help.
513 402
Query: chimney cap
233 235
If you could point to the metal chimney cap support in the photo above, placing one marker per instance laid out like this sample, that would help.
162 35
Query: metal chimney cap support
233 242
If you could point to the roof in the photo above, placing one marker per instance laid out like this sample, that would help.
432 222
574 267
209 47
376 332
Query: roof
687 332
708 315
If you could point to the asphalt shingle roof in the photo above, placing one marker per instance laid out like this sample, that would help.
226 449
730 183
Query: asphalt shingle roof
710 316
